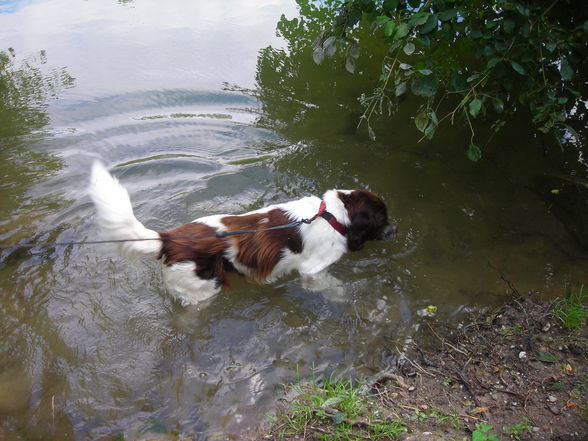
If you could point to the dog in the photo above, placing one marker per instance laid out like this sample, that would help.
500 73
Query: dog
306 235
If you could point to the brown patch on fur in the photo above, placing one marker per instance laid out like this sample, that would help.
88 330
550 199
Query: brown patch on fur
186 243
261 251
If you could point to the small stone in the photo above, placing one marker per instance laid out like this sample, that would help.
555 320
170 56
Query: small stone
411 388
551 398
546 327
536 429
554 410
522 355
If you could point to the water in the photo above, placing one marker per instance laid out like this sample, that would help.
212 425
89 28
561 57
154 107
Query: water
93 348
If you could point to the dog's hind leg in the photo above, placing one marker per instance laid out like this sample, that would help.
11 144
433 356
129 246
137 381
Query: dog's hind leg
185 286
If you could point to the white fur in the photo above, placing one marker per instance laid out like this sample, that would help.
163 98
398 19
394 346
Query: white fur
322 245
115 215
183 284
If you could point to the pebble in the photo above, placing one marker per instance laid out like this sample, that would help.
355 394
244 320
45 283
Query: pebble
411 388
522 355
536 429
546 327
551 398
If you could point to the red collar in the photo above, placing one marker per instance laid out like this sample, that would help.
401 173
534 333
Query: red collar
330 219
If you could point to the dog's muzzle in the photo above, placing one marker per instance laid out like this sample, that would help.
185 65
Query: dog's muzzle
389 232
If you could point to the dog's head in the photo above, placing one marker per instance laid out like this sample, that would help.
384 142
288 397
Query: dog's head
368 218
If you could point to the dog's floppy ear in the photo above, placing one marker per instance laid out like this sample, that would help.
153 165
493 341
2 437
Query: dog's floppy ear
360 222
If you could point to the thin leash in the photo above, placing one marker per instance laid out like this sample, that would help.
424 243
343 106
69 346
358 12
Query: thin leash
218 235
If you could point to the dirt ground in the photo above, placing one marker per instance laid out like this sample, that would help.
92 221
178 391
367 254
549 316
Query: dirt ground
513 373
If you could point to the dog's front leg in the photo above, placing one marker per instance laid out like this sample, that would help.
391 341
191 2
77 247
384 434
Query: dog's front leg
328 285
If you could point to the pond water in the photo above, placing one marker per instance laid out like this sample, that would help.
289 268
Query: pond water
93 348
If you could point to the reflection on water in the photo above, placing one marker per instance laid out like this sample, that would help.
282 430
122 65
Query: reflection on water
92 348
31 344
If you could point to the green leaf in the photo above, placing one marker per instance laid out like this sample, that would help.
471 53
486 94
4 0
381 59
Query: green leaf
475 34
458 81
390 5
430 131
425 40
488 51
518 67
421 121
419 18
389 28
522 10
318 55
339 417
350 64
585 26
550 46
332 402
371 133
565 69
479 436
546 357
473 77
425 71
329 42
508 24
425 86
354 50
404 66
498 105
431 24
401 89
382 19
409 48
475 106
402 31
500 45
492 62
448 14
474 154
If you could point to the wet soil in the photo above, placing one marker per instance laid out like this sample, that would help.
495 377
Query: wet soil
512 373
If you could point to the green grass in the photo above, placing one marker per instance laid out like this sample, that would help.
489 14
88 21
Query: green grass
337 409
517 430
572 309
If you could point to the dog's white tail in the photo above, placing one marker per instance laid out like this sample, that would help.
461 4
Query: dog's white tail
115 216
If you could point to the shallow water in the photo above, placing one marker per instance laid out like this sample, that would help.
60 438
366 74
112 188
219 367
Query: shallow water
93 348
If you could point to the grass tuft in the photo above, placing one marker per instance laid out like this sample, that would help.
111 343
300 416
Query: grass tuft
572 309
337 409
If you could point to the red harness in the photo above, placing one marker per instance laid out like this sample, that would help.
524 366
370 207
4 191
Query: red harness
330 219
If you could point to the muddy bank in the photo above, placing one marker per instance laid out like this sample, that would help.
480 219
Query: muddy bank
512 373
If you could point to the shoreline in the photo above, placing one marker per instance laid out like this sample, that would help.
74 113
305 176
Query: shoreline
515 372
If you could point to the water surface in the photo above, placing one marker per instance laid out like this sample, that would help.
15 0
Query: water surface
93 348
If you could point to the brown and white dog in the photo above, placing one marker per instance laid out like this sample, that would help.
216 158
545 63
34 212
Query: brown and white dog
196 261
